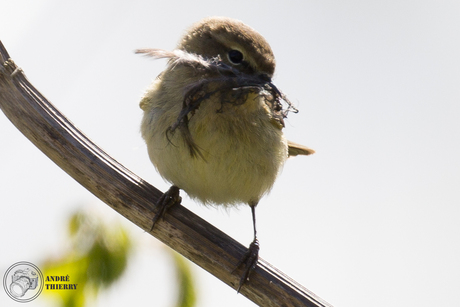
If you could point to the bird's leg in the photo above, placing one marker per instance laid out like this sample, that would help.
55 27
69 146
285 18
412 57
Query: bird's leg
252 255
166 201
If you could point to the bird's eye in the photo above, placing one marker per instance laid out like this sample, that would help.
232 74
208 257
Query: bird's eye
235 56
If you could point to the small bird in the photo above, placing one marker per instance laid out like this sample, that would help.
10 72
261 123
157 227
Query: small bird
213 120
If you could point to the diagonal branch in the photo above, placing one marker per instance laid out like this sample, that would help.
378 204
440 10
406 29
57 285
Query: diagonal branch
134 198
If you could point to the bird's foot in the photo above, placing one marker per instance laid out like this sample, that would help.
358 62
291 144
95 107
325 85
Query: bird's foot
249 261
166 201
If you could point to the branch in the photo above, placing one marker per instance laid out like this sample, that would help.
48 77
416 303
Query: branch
134 198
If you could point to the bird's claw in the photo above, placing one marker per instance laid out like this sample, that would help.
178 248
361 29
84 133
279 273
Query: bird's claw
166 201
249 260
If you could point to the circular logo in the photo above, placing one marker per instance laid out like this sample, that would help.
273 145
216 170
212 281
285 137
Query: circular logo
23 281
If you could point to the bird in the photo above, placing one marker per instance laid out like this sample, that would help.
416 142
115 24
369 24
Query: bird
213 120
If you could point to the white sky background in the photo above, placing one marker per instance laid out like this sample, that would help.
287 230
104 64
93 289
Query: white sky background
372 219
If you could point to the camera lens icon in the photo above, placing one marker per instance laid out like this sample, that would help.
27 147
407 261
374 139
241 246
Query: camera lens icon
23 280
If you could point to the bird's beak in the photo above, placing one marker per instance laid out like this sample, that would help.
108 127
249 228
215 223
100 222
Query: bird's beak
265 78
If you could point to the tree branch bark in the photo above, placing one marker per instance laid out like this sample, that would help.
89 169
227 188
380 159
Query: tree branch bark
134 198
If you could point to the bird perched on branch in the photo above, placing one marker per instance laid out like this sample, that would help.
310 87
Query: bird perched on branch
213 120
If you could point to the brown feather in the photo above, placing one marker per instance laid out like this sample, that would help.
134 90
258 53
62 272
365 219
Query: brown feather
295 149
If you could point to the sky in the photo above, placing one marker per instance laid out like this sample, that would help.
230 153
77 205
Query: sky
371 219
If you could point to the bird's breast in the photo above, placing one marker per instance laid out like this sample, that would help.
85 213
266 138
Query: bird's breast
242 152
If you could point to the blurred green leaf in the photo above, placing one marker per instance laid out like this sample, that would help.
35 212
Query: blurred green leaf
97 258
186 296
